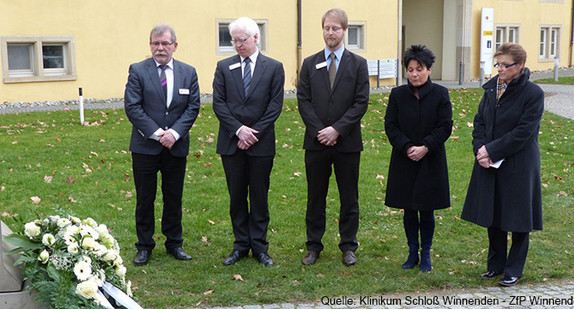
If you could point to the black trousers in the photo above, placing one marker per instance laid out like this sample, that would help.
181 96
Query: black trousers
145 169
498 260
248 176
319 166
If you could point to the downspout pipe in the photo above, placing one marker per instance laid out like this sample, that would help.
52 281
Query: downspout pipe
299 42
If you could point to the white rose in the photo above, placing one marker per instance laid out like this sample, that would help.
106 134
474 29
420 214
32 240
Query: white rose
44 257
102 229
75 220
48 239
72 230
91 222
121 271
89 243
73 248
109 256
83 270
108 241
63 222
87 289
31 229
54 218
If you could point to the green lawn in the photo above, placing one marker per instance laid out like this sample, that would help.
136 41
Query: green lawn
568 80
90 170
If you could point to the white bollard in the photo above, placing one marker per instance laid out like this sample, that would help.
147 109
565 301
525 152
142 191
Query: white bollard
81 103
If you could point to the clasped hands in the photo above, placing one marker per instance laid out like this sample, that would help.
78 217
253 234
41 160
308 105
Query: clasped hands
328 136
166 138
416 153
246 137
483 157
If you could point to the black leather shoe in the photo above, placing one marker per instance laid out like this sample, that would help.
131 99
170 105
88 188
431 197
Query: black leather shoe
234 257
179 254
310 258
142 257
490 274
508 281
349 258
264 259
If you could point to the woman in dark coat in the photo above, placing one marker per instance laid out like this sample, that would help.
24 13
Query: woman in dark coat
507 198
418 122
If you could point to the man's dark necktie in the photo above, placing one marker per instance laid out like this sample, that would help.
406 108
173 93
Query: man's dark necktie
163 79
332 69
246 75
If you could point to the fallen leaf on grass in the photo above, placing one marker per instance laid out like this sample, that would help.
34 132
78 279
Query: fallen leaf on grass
48 179
35 199
208 292
71 199
237 277
205 241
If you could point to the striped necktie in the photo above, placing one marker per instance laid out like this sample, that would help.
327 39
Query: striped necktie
246 75
163 79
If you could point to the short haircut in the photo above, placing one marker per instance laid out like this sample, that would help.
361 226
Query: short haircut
245 23
160 29
514 50
421 54
338 14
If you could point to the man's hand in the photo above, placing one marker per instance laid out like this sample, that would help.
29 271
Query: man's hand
166 139
247 137
242 145
328 136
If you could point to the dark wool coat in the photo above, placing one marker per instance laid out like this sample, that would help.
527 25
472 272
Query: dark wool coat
409 121
509 197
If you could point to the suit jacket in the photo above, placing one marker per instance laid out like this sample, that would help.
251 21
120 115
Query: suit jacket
258 110
146 107
342 107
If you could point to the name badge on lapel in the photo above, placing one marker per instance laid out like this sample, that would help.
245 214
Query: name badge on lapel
183 91
321 65
234 66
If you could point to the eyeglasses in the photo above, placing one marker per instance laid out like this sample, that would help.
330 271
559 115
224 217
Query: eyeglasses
157 44
239 41
335 29
504 65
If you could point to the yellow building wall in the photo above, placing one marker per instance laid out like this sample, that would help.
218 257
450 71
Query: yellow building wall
110 35
530 15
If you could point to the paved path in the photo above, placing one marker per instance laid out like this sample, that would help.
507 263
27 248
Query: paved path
557 294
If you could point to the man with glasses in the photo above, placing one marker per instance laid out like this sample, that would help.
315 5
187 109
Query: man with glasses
162 103
333 95
247 99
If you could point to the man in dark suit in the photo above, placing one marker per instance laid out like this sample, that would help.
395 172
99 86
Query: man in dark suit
162 103
247 99
333 95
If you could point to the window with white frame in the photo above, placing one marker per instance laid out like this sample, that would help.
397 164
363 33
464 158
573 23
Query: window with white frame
506 33
355 37
549 47
224 45
42 58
